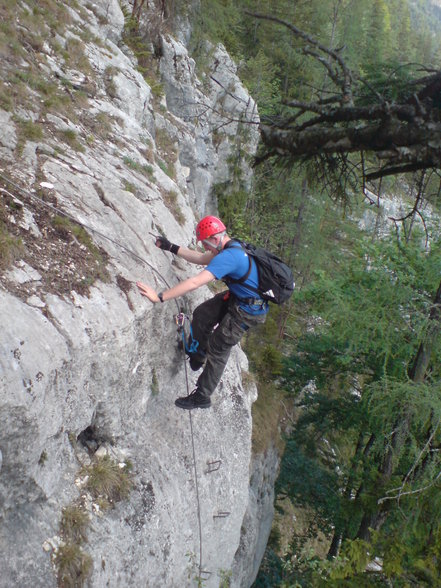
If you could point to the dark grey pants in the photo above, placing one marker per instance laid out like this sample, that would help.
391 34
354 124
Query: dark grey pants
232 322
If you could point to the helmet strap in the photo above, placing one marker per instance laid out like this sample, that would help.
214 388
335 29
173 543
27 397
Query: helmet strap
221 237
218 247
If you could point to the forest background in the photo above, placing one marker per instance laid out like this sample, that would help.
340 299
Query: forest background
350 369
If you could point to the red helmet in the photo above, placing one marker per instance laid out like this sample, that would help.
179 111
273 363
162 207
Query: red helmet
209 226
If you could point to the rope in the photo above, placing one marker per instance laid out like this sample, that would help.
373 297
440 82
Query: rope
198 503
196 486
154 270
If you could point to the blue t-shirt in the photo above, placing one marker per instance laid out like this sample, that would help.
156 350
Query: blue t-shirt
234 263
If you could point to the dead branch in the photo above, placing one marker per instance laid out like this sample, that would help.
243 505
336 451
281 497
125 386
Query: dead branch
404 135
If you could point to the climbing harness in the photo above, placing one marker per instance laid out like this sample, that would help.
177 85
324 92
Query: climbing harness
190 344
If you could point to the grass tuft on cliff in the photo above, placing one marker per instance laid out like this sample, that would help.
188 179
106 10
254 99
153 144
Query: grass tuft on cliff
108 481
74 566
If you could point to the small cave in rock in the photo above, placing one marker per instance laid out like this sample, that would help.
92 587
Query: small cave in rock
90 439
101 429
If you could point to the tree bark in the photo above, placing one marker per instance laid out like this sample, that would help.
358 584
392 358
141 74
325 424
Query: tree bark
421 363
395 141
341 532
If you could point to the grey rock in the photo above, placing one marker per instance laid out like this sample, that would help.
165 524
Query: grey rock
8 135
224 103
35 301
81 373
23 273
109 18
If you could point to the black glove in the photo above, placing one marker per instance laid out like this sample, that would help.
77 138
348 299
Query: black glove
165 244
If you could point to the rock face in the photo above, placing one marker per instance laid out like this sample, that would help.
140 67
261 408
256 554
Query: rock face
258 519
90 368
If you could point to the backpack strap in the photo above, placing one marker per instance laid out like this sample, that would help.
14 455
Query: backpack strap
245 277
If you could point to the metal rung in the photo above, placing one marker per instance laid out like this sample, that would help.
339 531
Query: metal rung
204 573
221 515
213 466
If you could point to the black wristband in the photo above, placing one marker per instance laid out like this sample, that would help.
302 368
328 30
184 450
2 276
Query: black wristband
160 296
174 248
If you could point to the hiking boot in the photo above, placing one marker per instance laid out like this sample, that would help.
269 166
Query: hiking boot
196 364
194 400
197 360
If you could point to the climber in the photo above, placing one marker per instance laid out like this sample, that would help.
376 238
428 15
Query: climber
232 311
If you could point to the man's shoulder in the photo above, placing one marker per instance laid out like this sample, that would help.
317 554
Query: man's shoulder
233 244
229 260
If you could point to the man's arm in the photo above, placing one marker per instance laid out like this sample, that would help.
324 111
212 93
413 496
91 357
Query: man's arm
195 256
204 277
190 255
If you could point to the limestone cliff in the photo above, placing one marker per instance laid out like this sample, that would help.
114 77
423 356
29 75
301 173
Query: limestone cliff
89 368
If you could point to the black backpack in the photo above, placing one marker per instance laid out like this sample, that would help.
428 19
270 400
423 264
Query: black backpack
276 281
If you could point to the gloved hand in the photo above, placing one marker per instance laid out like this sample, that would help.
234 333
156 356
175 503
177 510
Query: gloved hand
165 244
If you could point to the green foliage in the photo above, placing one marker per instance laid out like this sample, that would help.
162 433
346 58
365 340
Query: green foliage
155 85
352 561
390 79
273 64
168 169
261 76
225 578
70 137
220 22
76 56
232 206
41 24
362 307
193 571
29 130
265 358
412 405
147 63
371 314
306 481
375 306
6 102
144 169
129 187
266 416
